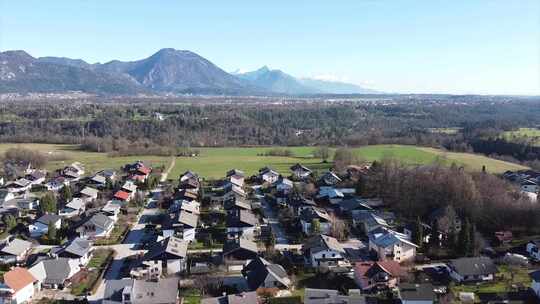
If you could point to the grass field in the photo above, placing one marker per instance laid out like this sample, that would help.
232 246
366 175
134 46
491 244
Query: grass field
214 162
532 134
93 161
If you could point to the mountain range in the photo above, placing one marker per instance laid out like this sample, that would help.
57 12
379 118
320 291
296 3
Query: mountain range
166 71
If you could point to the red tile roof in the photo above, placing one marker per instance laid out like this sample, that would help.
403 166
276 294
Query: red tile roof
123 195
18 278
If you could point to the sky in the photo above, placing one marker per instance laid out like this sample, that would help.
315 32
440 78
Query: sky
414 46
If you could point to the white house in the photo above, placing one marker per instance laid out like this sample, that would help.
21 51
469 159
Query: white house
18 186
74 208
89 194
18 287
391 245
15 251
167 256
310 214
324 251
41 225
300 171
56 272
529 186
284 185
99 225
533 249
475 269
268 175
330 179
79 249
259 273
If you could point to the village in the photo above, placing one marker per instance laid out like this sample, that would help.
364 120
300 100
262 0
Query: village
135 235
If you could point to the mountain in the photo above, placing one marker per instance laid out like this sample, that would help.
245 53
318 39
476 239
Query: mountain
336 87
277 81
171 70
22 73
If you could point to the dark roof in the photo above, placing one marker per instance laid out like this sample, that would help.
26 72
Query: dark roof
171 246
239 298
416 292
298 166
473 266
235 172
259 269
535 275
323 242
240 244
101 220
244 219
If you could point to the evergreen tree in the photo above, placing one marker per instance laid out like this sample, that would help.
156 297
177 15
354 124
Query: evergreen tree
465 238
51 233
9 221
48 203
418 235
434 237
315 226
65 194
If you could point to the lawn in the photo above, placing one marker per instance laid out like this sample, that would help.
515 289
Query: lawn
215 162
92 161
96 265
504 279
532 134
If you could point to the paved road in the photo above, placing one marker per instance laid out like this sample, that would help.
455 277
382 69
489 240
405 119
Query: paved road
273 221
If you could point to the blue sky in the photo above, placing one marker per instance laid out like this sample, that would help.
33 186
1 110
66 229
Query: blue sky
432 46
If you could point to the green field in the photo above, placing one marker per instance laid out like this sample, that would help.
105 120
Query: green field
531 134
214 162
92 161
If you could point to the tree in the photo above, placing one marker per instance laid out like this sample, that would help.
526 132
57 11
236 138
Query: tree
345 157
338 229
465 242
9 221
65 194
52 233
48 203
418 235
322 153
315 226
434 237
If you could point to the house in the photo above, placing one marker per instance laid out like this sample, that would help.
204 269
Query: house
503 237
89 194
18 186
260 273
311 214
298 203
410 228
377 275
55 273
36 177
129 187
41 225
5 195
15 251
188 175
368 221
165 257
529 186
245 224
112 209
188 224
78 249
190 207
299 171
124 196
234 206
533 249
162 291
98 180
191 183
236 177
268 175
97 226
391 245
324 251
239 298
330 296
416 293
18 286
57 183
535 284
75 207
475 269
352 206
284 185
445 219
240 249
331 194
329 179
76 169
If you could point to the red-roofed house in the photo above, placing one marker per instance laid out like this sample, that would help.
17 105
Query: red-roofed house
377 275
18 286
123 195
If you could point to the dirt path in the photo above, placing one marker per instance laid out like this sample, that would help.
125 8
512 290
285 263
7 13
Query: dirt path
166 172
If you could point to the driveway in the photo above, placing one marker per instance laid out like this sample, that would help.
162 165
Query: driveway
273 221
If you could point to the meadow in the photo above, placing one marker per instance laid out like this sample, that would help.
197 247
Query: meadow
215 162
531 134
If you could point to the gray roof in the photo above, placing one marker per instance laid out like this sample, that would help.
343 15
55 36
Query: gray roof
239 298
473 266
100 220
246 217
154 292
57 270
330 296
76 203
323 242
170 245
113 290
188 219
88 191
259 269
99 179
49 218
16 247
241 243
416 292
79 247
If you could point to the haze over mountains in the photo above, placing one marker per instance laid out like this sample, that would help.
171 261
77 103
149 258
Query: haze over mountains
166 71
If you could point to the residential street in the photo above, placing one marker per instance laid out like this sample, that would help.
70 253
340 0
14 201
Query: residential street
273 221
